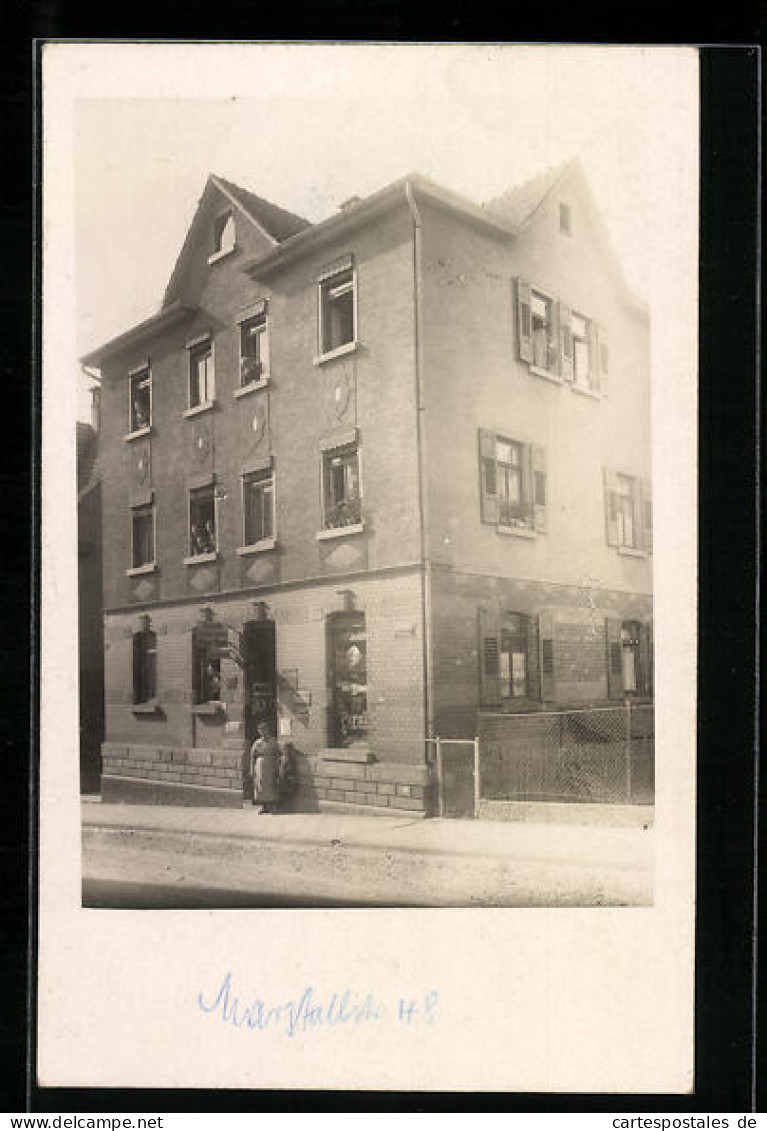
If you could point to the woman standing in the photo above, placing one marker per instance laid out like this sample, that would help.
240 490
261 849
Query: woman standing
265 762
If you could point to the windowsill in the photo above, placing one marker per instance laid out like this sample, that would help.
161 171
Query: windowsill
206 406
340 531
516 531
201 559
257 547
586 392
631 552
217 256
151 707
340 351
213 707
136 571
544 373
145 431
252 387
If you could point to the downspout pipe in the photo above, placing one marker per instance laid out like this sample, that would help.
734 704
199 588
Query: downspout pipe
423 502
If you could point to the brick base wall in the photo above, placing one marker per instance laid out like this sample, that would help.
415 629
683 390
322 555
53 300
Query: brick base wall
180 776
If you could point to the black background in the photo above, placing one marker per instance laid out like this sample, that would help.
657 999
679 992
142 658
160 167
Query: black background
730 119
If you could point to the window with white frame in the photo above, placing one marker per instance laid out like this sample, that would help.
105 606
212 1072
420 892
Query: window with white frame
628 502
142 535
258 506
202 386
140 393
254 350
545 345
223 233
337 310
341 491
202 521
513 483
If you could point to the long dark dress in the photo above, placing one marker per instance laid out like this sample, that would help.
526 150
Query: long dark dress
265 756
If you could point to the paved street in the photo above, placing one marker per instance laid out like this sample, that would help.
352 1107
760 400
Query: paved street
157 856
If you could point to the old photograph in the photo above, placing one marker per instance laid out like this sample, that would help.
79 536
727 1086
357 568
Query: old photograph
369 423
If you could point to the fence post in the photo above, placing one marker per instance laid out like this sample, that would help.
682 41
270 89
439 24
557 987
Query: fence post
628 750
477 791
440 780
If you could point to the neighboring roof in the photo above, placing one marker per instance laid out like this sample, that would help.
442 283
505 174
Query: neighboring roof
517 204
165 317
355 214
278 222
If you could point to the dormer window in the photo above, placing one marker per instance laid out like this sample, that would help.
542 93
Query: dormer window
223 237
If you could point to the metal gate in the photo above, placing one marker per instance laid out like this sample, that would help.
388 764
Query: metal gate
457 774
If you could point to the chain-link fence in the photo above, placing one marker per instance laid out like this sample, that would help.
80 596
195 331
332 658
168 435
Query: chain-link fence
600 754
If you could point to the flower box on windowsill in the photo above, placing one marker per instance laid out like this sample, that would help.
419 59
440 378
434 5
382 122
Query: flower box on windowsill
340 531
252 386
201 559
210 709
257 547
151 707
631 552
137 571
217 256
195 410
144 430
516 531
340 351
547 376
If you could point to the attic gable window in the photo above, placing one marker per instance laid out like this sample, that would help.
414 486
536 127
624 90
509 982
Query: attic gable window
223 237
565 219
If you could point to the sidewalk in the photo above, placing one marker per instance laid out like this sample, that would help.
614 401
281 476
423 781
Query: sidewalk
616 847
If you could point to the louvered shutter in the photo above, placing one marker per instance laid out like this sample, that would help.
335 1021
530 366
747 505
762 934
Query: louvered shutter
611 508
601 359
645 504
538 461
554 351
647 657
566 337
488 477
524 321
546 657
489 656
533 659
614 658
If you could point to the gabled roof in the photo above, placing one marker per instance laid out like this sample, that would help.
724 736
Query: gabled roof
520 204
278 222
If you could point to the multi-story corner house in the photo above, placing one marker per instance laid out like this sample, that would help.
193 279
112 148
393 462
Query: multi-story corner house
366 477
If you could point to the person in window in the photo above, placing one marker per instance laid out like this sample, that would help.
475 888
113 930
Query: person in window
212 681
140 413
265 763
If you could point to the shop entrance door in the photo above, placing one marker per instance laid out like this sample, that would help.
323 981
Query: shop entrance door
259 670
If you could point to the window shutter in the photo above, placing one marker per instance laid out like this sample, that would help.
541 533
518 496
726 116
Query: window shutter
136 668
524 321
566 337
488 485
554 361
645 503
611 508
600 359
538 461
614 658
546 657
533 661
196 689
489 656
647 657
